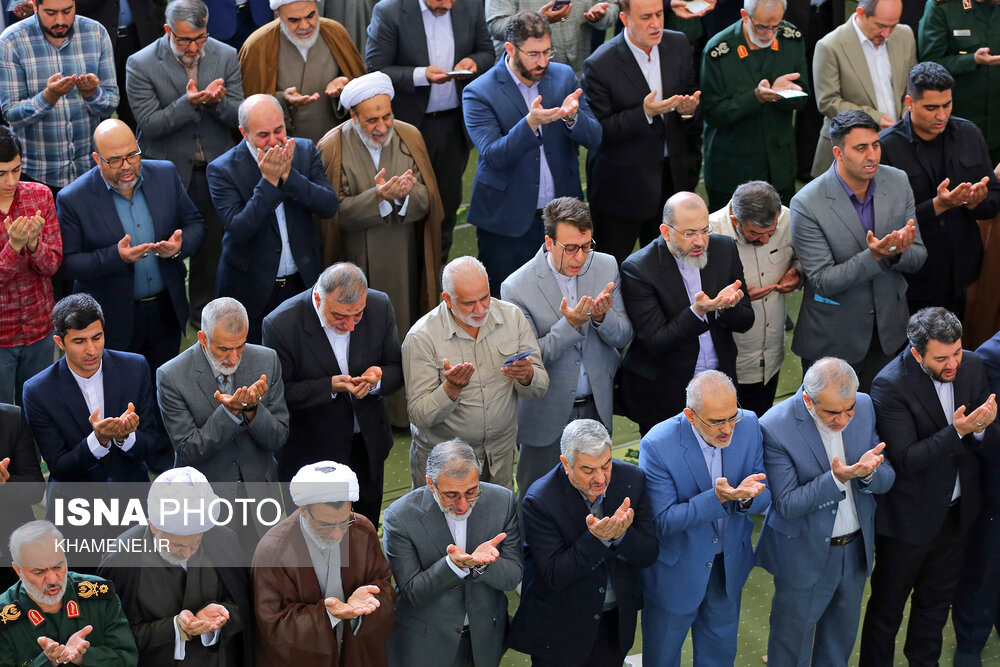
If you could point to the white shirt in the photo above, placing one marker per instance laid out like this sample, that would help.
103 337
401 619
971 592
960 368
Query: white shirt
946 394
440 53
880 69
459 530
92 389
649 65
286 263
846 521
567 286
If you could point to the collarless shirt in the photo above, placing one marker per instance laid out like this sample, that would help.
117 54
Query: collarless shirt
440 53
846 521
137 221
946 396
384 207
546 187
707 358
568 288
459 534
880 69
865 209
92 389
286 263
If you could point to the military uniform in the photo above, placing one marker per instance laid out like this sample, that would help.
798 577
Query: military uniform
950 33
88 601
744 139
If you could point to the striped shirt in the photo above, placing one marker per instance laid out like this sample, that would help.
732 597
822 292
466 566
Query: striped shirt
56 139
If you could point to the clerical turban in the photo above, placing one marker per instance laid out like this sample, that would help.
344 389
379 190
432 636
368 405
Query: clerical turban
181 502
324 482
366 87
278 3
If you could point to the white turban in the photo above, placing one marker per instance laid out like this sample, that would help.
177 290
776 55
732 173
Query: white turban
324 482
366 87
180 502
278 3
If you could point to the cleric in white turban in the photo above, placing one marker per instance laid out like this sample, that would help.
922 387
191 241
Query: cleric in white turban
185 591
320 574
366 87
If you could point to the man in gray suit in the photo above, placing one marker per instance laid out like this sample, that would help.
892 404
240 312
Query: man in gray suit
451 592
223 402
571 297
185 89
853 230
863 65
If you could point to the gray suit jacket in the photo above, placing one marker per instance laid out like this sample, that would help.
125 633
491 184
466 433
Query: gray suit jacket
534 290
847 292
204 433
167 123
433 600
843 81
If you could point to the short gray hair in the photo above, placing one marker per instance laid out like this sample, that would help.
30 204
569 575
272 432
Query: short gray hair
751 5
346 279
460 267
756 203
583 436
868 6
712 381
192 12
29 533
243 113
827 371
224 311
453 459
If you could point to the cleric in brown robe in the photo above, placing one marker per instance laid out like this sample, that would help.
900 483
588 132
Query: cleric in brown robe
389 220
322 591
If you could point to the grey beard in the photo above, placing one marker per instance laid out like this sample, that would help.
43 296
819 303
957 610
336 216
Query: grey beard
170 558
367 141
36 594
697 263
306 43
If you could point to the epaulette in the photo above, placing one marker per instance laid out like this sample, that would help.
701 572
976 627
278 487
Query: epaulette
721 49
10 614
788 31
101 589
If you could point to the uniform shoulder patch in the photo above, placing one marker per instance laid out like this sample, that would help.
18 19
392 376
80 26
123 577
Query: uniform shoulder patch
98 589
721 49
10 614
788 31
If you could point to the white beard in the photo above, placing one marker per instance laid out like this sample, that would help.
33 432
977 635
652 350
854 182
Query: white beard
304 44
367 141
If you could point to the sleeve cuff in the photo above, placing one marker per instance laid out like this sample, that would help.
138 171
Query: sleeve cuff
420 77
211 638
703 318
334 621
404 207
840 485
128 444
180 642
384 208
461 572
96 448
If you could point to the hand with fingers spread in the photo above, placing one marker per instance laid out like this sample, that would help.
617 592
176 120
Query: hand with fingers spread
610 528
24 231
485 554
680 9
977 420
894 243
982 57
727 297
361 603
554 16
131 254
87 84
578 314
334 88
597 12
603 303
750 487
768 92
865 466
946 199
457 378
296 99
169 247
70 652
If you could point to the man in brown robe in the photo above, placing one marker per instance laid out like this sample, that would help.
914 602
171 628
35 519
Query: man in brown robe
322 591
304 60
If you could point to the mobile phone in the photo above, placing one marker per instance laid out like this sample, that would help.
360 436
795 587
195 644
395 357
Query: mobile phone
518 356
559 4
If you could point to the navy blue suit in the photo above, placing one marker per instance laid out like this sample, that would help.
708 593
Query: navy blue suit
566 568
57 414
681 592
91 230
251 246
223 19
818 588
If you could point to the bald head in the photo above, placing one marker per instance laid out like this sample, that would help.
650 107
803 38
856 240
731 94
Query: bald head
683 204
262 121
111 132
117 155
685 228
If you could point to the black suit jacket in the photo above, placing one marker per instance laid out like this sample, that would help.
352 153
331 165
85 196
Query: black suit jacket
925 450
989 352
954 246
397 44
146 14
624 174
662 358
25 485
566 568
322 428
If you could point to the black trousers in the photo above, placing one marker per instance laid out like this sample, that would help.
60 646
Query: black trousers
814 23
291 286
617 234
502 255
931 572
606 651
205 262
448 149
370 480
126 44
759 396
156 334
977 604
874 361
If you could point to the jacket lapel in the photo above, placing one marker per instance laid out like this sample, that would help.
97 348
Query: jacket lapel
113 404
855 56
808 430
630 68
72 395
671 281
204 375
103 206
315 338
694 458
434 523
509 87
413 28
842 208
171 68
548 289
923 388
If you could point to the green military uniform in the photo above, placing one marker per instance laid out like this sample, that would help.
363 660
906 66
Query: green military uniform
88 601
950 33
745 139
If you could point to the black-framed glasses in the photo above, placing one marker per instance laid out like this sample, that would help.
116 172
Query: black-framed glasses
454 496
691 233
117 161
534 55
185 42
573 248
717 424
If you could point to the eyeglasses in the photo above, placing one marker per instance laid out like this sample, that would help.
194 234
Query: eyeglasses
691 233
535 55
716 425
764 29
454 496
185 42
328 527
118 161
574 248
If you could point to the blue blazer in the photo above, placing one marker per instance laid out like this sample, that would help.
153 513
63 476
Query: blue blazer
222 19
91 231
989 469
566 568
797 530
57 413
686 508
505 190
251 246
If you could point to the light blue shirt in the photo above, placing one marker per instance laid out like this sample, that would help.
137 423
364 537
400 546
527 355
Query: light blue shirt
286 263
546 188
707 359
138 223
124 14
713 459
